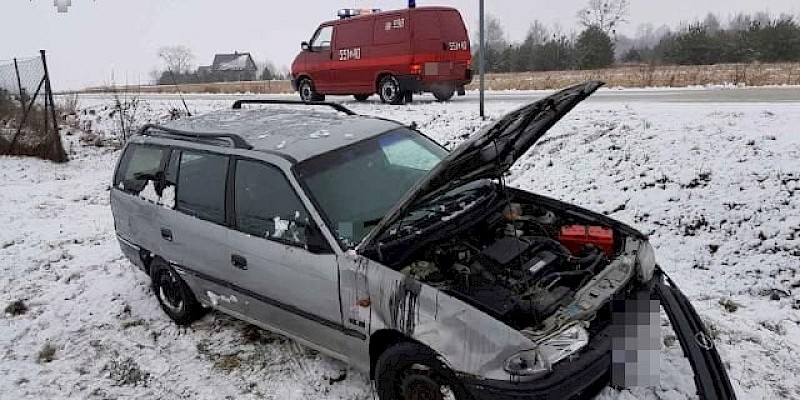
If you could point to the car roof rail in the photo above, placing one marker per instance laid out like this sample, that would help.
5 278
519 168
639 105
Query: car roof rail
236 141
336 106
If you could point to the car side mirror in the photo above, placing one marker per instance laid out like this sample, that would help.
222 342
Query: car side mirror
305 46
315 240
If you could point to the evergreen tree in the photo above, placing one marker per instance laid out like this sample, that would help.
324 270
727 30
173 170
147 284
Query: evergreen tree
594 49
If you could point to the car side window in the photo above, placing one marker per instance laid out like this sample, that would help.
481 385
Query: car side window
267 206
201 185
139 171
322 39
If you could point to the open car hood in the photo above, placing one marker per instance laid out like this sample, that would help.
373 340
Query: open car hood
489 153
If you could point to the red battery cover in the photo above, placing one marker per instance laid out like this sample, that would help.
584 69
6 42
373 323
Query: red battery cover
575 236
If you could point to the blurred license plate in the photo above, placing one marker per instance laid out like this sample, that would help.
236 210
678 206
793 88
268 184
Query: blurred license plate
635 342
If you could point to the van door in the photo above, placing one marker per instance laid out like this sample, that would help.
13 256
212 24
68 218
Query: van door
352 57
289 269
392 44
441 44
319 57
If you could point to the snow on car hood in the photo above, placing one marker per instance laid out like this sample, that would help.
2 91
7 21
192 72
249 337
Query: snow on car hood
489 153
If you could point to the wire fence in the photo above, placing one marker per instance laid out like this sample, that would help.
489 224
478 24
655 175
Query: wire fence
28 121
31 71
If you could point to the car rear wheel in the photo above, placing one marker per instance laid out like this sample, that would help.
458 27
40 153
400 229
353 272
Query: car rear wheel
307 91
390 91
173 294
361 97
410 371
444 93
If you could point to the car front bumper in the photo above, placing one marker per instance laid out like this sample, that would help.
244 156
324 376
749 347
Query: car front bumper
589 372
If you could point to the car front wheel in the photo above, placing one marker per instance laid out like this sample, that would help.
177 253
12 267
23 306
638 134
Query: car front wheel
174 295
307 91
410 371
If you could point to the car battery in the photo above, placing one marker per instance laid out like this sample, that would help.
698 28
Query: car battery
573 237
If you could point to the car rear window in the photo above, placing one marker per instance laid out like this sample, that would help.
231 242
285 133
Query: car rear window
139 165
201 185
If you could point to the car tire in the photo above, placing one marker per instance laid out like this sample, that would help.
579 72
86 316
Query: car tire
390 91
444 93
173 294
307 91
361 97
409 370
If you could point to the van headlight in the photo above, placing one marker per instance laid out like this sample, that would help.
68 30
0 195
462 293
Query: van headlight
539 361
647 261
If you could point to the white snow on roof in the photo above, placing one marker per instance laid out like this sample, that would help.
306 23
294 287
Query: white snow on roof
237 64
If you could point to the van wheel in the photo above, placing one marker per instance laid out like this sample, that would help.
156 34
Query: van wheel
444 93
307 91
410 371
361 97
173 294
390 91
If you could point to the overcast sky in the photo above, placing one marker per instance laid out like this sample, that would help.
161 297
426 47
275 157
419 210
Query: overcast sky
96 37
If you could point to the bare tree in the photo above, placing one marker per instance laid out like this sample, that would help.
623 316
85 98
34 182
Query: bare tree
605 14
537 34
178 59
711 23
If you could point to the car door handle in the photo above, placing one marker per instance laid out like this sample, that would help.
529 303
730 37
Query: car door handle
166 234
238 261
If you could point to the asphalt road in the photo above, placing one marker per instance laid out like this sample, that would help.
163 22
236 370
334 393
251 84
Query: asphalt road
692 95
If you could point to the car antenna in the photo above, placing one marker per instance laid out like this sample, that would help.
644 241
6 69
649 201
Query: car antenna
178 88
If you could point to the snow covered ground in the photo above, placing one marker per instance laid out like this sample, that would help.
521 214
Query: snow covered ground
716 185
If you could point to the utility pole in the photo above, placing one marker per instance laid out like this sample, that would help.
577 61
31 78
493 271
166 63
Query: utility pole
482 60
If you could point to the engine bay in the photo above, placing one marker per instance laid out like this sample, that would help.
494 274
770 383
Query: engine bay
520 262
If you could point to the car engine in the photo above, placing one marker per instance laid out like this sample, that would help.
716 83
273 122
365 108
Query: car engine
520 266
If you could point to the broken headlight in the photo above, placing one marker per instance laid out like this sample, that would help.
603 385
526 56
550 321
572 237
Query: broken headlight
647 261
539 361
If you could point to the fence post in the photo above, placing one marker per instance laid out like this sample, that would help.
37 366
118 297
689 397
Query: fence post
19 84
58 147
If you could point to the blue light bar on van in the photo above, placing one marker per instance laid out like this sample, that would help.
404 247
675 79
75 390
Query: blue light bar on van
354 12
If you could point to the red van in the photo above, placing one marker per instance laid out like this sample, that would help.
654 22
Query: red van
392 53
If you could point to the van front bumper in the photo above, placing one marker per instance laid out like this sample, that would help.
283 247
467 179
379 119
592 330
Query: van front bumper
588 373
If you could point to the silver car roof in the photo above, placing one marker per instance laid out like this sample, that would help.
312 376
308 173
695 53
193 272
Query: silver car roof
298 134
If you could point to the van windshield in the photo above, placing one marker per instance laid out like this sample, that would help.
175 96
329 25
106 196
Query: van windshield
356 186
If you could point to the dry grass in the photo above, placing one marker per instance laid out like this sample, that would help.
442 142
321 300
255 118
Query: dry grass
631 76
35 139
636 76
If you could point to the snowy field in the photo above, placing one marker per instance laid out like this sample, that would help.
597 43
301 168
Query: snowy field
716 185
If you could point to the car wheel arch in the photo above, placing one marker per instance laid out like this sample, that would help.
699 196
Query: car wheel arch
301 78
381 340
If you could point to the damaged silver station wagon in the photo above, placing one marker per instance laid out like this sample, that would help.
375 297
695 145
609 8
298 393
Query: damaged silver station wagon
363 238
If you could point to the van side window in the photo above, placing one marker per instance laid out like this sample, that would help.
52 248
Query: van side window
201 185
322 39
266 204
139 169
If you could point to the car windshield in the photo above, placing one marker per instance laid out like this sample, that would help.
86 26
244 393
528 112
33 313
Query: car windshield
357 185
